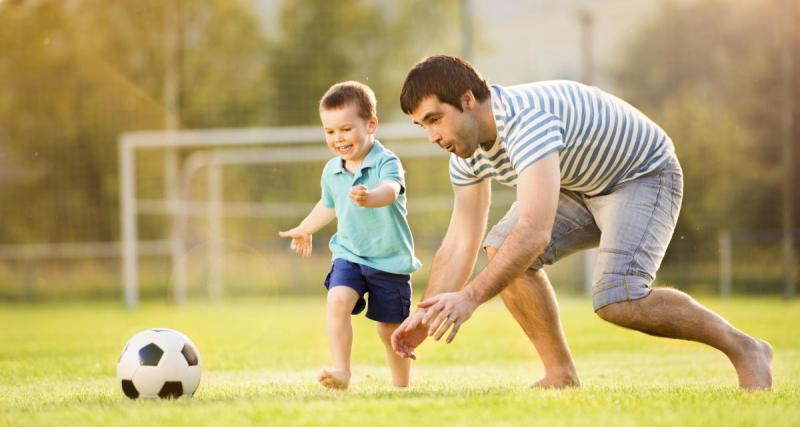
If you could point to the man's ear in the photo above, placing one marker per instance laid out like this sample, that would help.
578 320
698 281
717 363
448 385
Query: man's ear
468 101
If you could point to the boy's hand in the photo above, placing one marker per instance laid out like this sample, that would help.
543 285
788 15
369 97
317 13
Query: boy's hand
359 194
409 335
301 241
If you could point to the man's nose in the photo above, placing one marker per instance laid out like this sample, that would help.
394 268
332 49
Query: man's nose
434 137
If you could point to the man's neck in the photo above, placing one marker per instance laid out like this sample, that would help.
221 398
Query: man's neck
487 134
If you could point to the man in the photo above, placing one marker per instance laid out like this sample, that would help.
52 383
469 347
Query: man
589 170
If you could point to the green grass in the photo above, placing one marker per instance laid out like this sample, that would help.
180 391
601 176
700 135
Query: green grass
260 357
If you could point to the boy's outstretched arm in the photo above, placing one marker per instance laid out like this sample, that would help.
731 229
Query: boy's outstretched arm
383 195
319 217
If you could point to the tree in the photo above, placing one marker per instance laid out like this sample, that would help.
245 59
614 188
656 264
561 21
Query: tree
326 41
708 71
74 75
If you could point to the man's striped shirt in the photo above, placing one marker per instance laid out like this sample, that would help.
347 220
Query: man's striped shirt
602 140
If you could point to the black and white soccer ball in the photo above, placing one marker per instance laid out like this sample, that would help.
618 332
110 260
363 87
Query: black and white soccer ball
159 363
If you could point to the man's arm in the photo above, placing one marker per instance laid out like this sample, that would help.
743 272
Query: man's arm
453 262
456 256
538 189
537 201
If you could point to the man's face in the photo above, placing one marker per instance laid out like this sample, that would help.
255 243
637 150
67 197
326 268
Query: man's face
455 131
346 133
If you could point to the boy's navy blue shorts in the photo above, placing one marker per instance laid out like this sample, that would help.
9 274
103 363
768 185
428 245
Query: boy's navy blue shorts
389 293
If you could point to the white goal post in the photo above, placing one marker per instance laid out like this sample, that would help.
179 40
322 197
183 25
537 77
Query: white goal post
212 150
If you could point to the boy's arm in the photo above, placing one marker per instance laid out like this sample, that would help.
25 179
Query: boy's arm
319 217
383 195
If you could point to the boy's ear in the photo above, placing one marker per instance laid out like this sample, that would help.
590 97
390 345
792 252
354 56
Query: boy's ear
372 125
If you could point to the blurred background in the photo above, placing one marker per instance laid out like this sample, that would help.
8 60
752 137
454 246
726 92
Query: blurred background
189 130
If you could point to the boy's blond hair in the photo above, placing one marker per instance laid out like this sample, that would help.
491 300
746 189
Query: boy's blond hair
344 93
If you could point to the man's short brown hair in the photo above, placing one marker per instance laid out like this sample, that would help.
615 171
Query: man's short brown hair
344 93
447 77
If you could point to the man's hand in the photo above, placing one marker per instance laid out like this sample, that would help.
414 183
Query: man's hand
409 335
359 194
450 309
301 241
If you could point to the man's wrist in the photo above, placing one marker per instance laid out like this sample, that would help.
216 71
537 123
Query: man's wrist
472 295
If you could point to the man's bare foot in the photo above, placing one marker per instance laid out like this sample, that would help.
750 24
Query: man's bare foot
338 380
754 365
557 382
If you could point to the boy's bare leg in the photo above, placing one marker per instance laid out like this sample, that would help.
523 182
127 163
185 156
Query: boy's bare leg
673 314
341 301
531 300
399 366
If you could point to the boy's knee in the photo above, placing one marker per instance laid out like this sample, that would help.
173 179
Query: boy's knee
342 296
385 330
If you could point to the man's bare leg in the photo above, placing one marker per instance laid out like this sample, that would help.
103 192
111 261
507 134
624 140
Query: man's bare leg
531 300
674 314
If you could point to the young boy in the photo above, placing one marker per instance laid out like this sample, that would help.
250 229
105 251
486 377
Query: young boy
373 250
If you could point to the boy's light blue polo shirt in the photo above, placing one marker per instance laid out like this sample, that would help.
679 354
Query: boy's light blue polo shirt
376 237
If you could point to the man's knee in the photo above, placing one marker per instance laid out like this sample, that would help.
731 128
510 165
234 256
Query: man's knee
612 313
624 313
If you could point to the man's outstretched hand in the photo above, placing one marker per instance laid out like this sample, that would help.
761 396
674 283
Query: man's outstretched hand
409 335
447 311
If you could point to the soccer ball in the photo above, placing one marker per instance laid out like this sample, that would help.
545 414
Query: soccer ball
159 363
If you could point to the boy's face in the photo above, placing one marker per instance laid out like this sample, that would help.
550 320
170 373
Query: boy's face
347 134
455 131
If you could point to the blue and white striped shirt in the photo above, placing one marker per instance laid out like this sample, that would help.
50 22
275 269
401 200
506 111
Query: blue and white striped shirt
602 140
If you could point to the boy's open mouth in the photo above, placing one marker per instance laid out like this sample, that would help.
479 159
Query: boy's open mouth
344 149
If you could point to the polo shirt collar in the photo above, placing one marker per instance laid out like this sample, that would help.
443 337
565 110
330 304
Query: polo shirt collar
369 161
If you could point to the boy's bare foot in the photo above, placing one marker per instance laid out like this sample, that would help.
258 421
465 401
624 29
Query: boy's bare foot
338 380
754 366
558 382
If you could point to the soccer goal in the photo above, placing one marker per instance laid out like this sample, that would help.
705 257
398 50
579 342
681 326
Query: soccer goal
212 152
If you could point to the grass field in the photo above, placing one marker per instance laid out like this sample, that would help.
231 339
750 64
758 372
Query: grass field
260 357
